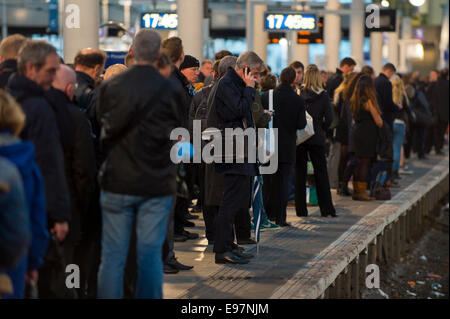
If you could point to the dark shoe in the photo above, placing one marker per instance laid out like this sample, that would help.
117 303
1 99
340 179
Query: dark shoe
343 189
190 216
179 238
187 223
240 252
175 264
302 215
167 269
196 209
190 235
230 258
247 241
333 215
285 224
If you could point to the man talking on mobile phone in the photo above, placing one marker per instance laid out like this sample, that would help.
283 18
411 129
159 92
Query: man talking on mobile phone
233 104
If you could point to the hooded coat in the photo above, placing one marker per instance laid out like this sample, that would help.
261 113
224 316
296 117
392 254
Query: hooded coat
22 155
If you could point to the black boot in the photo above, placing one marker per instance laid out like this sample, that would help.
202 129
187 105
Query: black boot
343 189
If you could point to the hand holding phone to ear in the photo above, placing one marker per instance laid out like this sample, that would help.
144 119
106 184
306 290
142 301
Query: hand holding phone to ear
248 77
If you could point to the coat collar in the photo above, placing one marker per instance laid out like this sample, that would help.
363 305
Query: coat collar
8 66
285 87
232 74
22 87
85 78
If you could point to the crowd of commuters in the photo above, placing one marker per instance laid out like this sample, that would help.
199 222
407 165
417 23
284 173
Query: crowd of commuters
86 175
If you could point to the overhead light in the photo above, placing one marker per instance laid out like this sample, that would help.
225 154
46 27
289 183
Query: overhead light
385 3
415 51
417 3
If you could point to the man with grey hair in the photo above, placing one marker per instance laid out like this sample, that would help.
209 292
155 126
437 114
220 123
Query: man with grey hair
232 105
227 62
37 67
138 179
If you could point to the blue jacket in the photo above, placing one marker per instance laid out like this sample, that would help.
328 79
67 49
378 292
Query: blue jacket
15 232
22 155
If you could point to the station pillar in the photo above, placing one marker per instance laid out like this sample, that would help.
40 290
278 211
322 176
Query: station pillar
376 51
357 27
443 46
256 40
298 52
81 21
190 26
332 36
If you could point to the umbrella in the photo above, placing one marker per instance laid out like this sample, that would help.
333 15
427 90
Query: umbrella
257 205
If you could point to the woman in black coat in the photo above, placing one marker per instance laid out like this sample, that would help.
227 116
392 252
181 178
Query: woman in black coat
318 105
289 116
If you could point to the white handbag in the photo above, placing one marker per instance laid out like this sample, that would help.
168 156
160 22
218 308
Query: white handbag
306 133
269 135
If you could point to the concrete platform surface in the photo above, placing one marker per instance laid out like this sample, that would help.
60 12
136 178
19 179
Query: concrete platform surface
290 262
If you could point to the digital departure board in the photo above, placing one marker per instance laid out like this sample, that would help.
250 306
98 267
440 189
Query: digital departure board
308 37
159 20
293 21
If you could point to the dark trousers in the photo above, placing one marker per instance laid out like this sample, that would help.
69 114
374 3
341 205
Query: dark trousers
243 224
87 256
236 196
209 216
181 209
317 155
201 184
439 131
277 192
418 140
167 250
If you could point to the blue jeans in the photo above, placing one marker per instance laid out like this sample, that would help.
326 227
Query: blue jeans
399 137
118 213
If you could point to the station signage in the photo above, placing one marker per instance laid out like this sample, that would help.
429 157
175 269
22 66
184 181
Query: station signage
295 21
311 37
159 20
388 21
115 57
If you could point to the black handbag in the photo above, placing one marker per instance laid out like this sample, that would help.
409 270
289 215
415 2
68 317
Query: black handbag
52 276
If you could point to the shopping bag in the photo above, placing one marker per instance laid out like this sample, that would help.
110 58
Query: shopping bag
269 135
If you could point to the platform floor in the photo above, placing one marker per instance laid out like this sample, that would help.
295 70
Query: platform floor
281 253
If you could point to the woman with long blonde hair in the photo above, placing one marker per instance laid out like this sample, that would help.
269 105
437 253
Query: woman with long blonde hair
399 97
367 116
317 104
